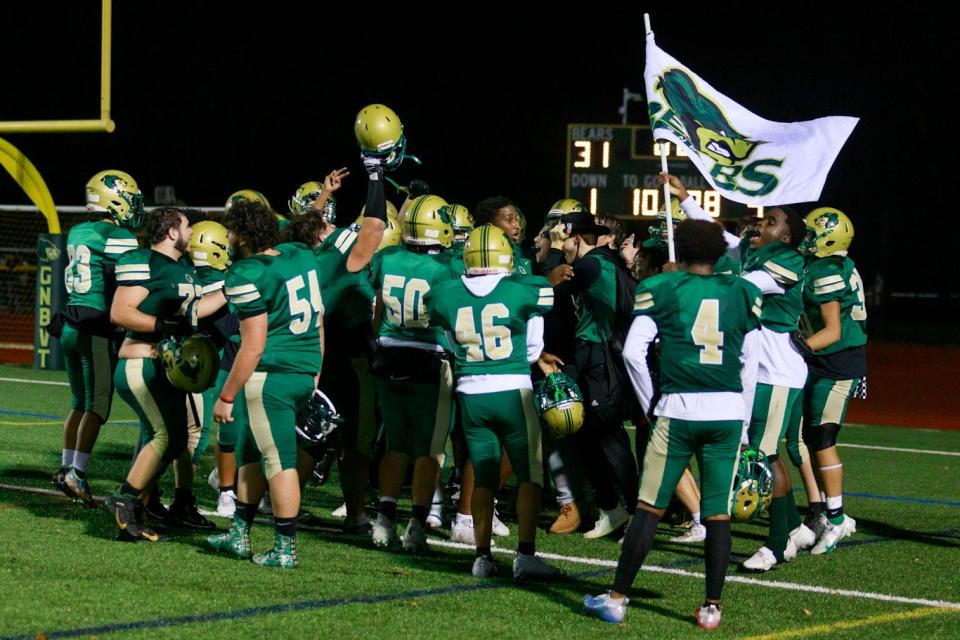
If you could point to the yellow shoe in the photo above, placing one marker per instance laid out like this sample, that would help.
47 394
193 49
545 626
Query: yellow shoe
568 521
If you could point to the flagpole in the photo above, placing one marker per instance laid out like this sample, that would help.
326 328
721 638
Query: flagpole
671 252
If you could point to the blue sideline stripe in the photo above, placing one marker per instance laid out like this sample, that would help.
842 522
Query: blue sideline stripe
307 605
27 414
948 503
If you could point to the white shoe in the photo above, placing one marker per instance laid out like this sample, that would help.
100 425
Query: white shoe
606 608
608 522
214 480
435 519
833 534
526 567
414 538
463 532
340 512
265 506
803 537
708 616
484 567
697 533
384 532
790 552
820 525
762 560
498 528
227 504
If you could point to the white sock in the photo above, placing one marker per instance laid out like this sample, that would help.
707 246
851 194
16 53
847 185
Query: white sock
823 497
696 517
835 502
80 460
66 457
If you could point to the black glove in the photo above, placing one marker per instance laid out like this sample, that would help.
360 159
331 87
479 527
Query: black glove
418 188
174 326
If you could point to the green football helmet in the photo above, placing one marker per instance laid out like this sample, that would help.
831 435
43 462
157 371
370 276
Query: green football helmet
461 220
487 250
116 192
306 195
425 223
191 364
658 229
318 420
246 194
559 404
379 133
829 232
209 246
561 208
753 484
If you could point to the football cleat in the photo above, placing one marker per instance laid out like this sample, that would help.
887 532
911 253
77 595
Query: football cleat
533 567
790 552
227 504
762 560
608 522
80 488
414 538
606 607
708 616
59 484
463 532
435 519
568 521
833 534
697 533
384 532
340 512
282 556
155 509
128 514
186 515
803 537
497 527
236 541
484 567
358 526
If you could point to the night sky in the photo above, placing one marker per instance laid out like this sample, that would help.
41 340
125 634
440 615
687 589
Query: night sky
220 98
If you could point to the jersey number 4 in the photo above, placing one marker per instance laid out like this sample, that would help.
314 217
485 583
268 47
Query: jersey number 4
706 332
492 341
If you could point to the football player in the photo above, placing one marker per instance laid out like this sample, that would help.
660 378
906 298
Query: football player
84 329
706 323
492 319
210 252
413 375
317 195
836 315
276 294
608 459
158 295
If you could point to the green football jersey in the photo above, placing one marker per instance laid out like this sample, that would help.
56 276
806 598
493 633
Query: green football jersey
490 331
702 321
521 263
210 279
348 297
726 266
404 278
835 278
596 305
286 287
173 286
90 247
781 312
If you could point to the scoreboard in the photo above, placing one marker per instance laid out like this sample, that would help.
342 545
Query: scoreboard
613 169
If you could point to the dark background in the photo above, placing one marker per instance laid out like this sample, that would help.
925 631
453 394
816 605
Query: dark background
215 97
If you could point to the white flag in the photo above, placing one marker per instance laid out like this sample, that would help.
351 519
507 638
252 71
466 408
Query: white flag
746 158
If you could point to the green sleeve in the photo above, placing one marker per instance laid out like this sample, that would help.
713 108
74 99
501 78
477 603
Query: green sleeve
241 289
825 282
133 269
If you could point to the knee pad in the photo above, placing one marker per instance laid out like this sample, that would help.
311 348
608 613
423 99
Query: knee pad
822 436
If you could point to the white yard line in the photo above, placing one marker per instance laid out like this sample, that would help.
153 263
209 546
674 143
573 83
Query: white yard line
58 384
